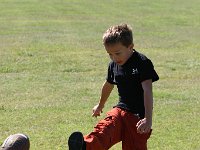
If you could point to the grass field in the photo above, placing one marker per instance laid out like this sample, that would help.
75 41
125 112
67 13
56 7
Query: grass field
52 66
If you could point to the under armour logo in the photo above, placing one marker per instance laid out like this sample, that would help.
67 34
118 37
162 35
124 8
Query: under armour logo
135 71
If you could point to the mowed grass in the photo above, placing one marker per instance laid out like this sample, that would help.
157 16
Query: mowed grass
53 64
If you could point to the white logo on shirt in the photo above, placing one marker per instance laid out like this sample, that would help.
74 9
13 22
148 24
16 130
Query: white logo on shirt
135 71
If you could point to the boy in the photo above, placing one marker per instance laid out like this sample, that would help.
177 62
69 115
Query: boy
130 120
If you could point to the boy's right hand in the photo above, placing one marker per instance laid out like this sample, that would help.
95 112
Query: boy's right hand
97 110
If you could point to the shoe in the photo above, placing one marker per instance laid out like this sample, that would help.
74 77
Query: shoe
76 141
16 142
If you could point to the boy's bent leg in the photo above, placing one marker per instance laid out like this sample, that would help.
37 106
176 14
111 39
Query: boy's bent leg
141 140
131 140
106 133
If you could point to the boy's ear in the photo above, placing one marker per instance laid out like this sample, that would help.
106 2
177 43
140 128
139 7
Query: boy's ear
131 46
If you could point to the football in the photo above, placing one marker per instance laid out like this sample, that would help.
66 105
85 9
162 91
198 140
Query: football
16 142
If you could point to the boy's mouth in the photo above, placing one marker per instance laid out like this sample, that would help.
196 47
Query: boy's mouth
119 62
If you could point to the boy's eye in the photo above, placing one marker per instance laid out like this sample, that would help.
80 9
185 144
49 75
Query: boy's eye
117 53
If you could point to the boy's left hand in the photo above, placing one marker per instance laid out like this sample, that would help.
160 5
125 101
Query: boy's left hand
144 126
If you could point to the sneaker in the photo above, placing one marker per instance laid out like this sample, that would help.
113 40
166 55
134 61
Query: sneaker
16 142
76 141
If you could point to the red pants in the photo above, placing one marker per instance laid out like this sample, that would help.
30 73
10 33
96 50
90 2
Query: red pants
119 125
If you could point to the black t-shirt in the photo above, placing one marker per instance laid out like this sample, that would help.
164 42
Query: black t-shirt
128 79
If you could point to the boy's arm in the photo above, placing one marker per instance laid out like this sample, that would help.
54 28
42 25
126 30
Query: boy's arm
105 93
144 125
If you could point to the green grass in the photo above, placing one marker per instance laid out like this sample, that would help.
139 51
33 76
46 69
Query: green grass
52 66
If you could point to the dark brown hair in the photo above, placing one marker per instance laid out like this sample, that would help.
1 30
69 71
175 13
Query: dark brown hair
118 34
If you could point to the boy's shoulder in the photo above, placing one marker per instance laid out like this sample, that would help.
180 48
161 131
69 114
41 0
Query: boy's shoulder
140 56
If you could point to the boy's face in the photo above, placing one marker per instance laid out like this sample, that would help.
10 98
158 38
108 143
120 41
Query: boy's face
119 53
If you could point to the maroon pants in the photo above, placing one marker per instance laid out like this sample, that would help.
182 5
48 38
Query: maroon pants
119 125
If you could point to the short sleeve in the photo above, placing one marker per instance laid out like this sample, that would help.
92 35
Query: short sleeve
110 75
147 71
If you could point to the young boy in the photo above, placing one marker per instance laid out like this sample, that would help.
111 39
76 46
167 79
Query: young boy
130 120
